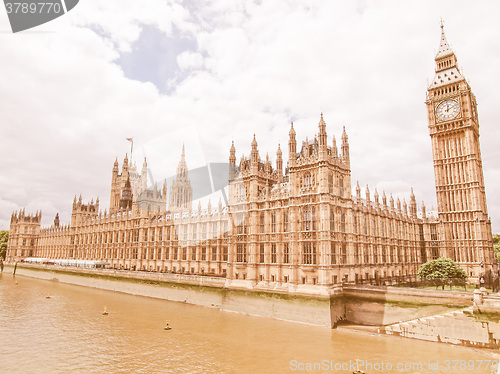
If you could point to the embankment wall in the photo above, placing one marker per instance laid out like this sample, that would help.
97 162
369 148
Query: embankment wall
365 305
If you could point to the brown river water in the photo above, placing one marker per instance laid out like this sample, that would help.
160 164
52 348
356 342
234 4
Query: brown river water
67 333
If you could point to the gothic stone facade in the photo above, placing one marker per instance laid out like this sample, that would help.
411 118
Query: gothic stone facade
296 229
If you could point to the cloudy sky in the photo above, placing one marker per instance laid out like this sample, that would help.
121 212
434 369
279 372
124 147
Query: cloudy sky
209 72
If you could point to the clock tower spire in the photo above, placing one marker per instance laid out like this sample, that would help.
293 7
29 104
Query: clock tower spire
454 129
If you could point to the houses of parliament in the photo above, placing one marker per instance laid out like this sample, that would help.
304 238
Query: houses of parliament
296 226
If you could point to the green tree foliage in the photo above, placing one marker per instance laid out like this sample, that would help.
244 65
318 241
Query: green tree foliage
442 271
496 245
4 236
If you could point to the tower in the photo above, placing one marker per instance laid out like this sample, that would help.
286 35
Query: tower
454 129
181 194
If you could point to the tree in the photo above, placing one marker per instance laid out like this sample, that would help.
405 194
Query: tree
442 271
496 246
4 236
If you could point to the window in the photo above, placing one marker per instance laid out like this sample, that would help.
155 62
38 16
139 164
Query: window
214 253
160 232
308 218
203 253
286 254
330 183
341 186
433 232
356 254
355 223
262 222
193 253
273 253
285 220
342 222
262 253
215 234
332 219
308 180
242 226
344 254
309 253
333 254
184 253
224 253
273 222
366 255
241 253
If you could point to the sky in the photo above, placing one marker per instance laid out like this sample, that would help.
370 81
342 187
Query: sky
206 73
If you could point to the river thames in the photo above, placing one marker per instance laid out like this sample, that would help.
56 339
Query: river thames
68 333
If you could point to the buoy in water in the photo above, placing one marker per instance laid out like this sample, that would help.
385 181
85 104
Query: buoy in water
105 313
48 296
167 327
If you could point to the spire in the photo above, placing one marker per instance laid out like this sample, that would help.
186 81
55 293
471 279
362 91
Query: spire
292 146
345 147
358 190
413 205
322 134
268 163
279 164
446 64
125 164
232 154
335 151
444 48
254 154
182 167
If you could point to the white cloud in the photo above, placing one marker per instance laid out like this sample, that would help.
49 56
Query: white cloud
189 60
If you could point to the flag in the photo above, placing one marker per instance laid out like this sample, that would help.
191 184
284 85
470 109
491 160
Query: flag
130 139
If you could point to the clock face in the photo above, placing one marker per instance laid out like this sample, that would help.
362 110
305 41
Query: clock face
447 110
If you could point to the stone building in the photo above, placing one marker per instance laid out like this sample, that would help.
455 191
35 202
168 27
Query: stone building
295 228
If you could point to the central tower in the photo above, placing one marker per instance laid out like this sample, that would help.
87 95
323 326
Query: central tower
465 229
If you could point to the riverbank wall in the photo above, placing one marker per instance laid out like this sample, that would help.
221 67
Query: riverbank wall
357 304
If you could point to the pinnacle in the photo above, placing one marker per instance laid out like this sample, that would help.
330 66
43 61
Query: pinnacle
444 48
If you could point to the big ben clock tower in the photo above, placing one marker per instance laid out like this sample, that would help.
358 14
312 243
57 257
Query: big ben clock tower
465 229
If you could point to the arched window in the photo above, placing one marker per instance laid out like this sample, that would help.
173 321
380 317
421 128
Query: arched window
308 218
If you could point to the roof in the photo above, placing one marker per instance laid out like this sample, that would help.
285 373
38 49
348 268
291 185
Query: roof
447 76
